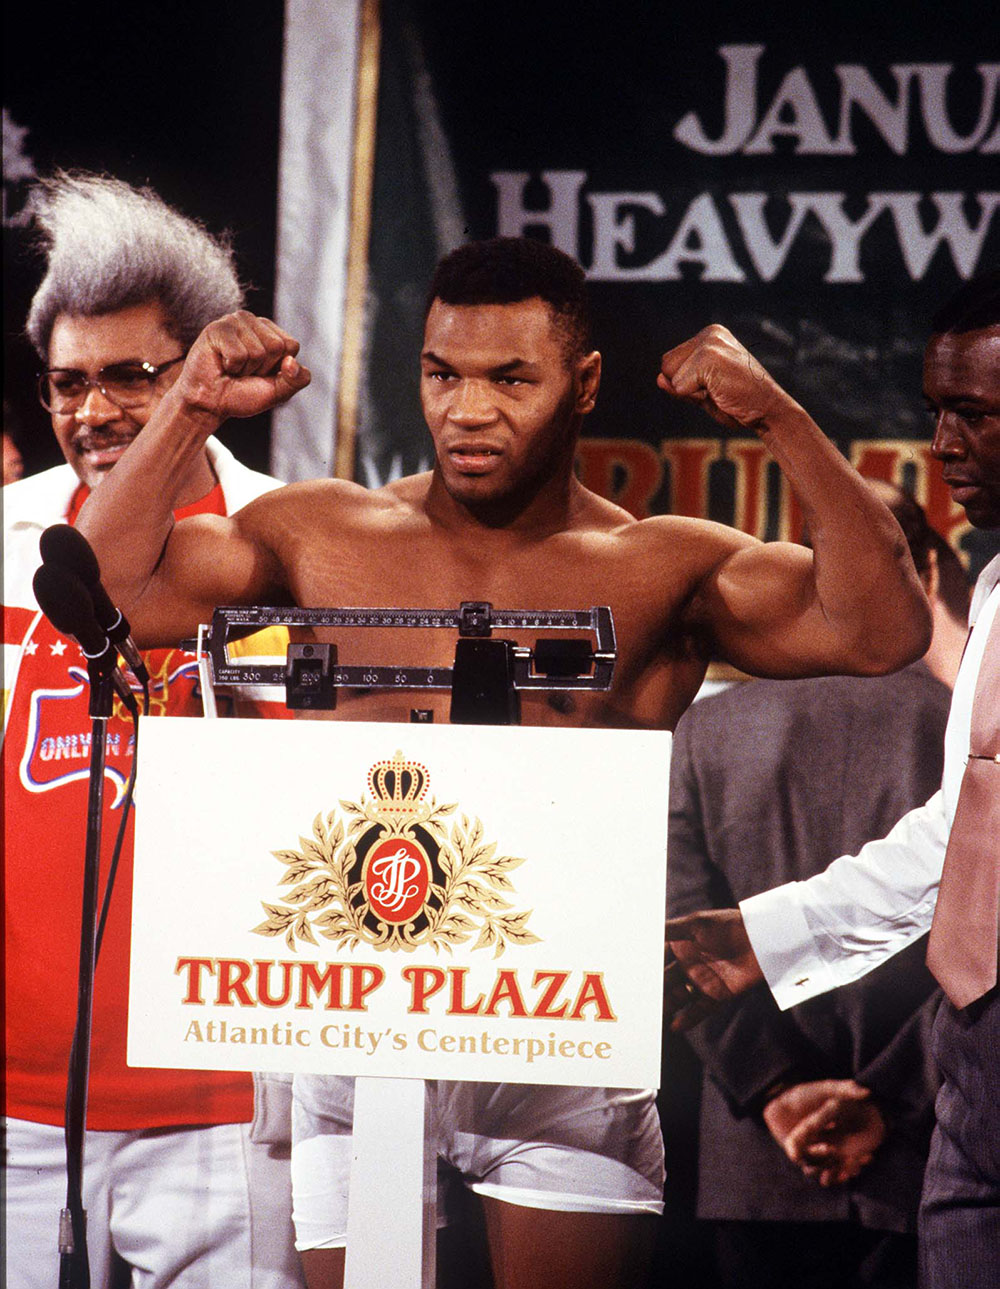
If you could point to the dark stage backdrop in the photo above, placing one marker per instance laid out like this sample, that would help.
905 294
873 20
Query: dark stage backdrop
182 96
817 183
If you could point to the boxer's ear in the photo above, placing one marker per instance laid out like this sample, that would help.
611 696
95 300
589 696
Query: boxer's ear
588 375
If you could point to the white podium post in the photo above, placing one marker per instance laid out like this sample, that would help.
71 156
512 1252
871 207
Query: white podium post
394 904
392 1212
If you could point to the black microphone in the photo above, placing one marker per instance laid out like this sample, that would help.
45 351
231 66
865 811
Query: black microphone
65 601
63 546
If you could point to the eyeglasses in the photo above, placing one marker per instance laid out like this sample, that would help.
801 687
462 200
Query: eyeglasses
63 390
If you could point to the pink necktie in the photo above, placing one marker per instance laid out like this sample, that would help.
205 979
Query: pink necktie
962 949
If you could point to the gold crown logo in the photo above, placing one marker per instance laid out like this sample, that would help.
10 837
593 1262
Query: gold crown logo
397 786
463 899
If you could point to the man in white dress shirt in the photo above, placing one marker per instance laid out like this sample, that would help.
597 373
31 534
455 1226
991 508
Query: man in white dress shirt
807 937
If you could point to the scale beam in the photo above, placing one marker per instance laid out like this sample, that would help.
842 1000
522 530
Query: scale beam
550 664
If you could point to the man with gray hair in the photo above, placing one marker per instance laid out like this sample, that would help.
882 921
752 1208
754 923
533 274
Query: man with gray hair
174 1184
120 260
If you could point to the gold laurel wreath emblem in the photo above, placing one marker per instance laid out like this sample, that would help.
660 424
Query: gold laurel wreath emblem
325 899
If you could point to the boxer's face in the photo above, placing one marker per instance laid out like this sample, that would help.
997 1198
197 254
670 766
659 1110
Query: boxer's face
962 387
94 436
501 397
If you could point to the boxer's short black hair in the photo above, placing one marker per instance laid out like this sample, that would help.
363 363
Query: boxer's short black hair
507 270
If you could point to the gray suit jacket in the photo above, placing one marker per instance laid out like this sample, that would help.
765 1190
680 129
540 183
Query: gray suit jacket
770 781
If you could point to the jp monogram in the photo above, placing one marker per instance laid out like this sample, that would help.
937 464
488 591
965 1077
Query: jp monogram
397 871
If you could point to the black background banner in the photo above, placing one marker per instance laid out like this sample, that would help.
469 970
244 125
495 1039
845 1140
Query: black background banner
817 183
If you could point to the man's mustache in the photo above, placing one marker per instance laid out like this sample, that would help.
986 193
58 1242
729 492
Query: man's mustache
89 440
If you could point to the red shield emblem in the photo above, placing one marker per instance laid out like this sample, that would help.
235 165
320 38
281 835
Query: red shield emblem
397 876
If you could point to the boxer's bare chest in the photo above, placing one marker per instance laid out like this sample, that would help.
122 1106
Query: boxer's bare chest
413 565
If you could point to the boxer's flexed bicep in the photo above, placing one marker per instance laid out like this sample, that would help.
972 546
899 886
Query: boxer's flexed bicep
761 608
854 606
167 575
208 560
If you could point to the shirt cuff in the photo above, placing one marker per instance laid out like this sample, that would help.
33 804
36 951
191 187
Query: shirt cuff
785 947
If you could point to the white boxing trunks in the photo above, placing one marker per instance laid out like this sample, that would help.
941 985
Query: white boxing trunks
585 1150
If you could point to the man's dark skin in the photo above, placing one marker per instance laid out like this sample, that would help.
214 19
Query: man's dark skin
503 518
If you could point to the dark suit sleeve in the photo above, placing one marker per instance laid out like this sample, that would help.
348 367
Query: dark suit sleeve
748 1045
903 1076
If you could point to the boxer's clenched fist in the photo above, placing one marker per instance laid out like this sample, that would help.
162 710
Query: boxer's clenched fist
240 365
714 371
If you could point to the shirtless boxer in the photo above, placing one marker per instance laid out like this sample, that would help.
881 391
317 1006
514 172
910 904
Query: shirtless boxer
507 375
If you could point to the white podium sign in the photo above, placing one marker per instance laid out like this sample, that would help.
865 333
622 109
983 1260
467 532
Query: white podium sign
432 902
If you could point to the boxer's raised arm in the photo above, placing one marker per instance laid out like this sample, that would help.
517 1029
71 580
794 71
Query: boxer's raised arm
166 577
853 603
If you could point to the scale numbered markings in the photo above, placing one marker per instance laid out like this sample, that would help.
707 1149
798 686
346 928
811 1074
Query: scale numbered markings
470 619
556 619
391 677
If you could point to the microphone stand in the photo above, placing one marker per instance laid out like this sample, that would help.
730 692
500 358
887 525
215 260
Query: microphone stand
74 1265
